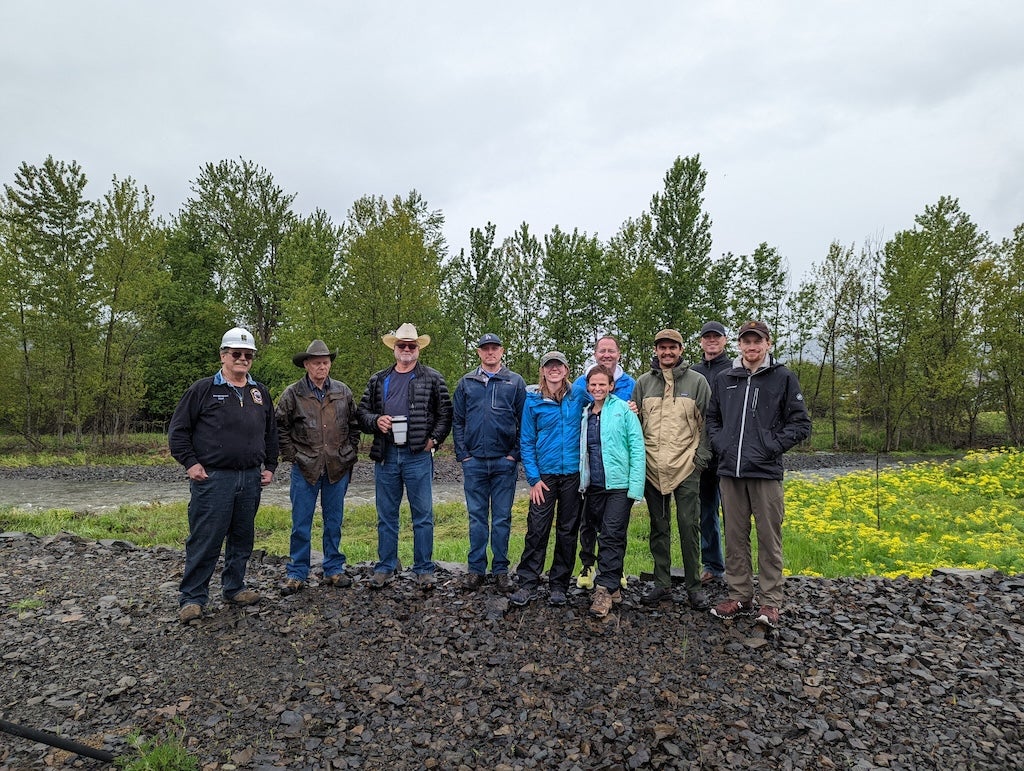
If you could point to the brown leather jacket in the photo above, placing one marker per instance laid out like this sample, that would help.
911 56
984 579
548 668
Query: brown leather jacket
315 435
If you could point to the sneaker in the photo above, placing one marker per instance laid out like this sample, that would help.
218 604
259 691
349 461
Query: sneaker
190 612
768 616
245 597
699 600
623 582
733 608
522 596
338 581
586 578
556 597
602 603
656 595
426 581
472 582
504 583
291 586
381 579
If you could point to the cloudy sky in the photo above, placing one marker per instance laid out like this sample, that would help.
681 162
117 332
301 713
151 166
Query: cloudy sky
816 121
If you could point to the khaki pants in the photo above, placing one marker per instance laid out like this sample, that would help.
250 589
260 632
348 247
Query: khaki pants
762 499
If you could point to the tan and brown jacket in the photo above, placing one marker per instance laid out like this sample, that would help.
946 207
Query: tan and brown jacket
671 407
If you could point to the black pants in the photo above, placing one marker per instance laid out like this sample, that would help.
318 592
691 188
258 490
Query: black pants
609 509
564 494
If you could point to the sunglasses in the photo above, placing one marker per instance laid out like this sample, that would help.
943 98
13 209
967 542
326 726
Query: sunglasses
247 355
406 346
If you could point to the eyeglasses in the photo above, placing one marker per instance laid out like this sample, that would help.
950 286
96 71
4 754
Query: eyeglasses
247 355
406 346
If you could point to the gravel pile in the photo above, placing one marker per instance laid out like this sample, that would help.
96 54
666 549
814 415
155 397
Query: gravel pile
898 674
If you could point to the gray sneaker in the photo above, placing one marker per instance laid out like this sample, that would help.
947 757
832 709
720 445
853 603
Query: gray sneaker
522 596
556 597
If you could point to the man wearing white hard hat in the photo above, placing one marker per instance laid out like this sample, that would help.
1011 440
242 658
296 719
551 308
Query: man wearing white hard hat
224 433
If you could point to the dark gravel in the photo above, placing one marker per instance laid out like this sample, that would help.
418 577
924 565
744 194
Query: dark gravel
899 674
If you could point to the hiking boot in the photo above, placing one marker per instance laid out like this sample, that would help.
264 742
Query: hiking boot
426 581
381 579
769 616
291 586
190 612
602 602
504 583
338 581
556 597
472 582
245 597
522 596
656 595
733 608
586 578
699 600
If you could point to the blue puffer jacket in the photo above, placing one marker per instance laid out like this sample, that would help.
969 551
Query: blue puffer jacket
549 436
622 449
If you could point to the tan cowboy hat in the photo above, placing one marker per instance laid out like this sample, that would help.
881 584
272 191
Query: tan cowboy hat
316 348
406 332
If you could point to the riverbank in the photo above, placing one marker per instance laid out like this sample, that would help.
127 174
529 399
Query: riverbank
867 673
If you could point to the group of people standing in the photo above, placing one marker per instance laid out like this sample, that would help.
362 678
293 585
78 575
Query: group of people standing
590 449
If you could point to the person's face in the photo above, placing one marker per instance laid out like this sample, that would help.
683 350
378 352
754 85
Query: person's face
406 352
712 344
598 387
753 348
236 361
607 353
669 352
554 374
318 368
490 355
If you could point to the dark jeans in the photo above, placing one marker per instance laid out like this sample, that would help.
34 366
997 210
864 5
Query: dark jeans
411 472
563 497
609 509
710 530
222 510
490 486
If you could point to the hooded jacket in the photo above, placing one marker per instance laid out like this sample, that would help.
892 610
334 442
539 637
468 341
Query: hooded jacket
674 428
549 437
430 409
317 435
754 417
622 449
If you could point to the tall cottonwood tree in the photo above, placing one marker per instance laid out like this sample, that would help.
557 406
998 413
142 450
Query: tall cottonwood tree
51 252
245 216
129 279
392 253
522 256
638 304
759 289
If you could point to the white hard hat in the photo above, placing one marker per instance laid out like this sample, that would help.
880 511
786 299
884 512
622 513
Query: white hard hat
238 338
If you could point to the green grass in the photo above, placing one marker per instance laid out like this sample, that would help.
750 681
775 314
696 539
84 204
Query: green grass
967 513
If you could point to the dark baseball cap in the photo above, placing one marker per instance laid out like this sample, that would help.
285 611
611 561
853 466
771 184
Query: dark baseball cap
716 327
489 339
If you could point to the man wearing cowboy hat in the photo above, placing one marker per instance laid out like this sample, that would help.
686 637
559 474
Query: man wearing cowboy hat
409 412
319 435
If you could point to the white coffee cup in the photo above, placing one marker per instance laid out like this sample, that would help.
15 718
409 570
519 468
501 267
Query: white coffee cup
399 429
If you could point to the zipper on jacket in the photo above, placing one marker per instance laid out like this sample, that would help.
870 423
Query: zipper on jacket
743 422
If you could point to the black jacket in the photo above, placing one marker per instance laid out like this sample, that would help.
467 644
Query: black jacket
754 417
710 370
430 409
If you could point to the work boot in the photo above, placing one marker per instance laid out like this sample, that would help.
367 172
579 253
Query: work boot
656 595
245 597
291 586
190 612
504 583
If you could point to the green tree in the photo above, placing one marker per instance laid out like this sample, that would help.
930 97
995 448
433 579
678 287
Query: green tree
51 252
244 216
128 280
392 254
522 256
638 302
1002 321
759 289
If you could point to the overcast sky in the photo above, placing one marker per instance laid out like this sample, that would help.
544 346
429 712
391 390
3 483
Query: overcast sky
816 121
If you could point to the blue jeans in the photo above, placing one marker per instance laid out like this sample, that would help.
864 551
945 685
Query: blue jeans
222 510
413 472
332 503
710 532
490 485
